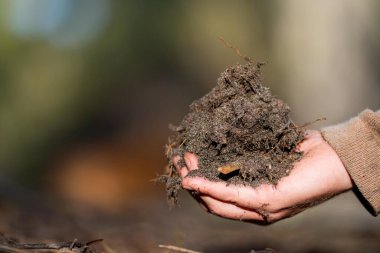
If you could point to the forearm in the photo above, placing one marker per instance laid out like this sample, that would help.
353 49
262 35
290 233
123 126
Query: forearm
357 142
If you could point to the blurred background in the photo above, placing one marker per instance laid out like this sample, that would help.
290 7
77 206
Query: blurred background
88 88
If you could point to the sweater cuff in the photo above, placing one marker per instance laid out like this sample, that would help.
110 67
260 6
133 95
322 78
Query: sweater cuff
357 143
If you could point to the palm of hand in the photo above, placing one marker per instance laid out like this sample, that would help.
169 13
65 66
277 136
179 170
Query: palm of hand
318 176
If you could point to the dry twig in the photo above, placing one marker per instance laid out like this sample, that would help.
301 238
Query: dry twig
8 246
178 249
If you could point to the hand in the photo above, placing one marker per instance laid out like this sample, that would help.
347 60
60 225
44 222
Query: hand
318 176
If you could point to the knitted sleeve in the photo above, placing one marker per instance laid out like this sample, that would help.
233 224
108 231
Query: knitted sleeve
357 143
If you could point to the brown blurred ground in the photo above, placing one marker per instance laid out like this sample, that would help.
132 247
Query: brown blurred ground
341 225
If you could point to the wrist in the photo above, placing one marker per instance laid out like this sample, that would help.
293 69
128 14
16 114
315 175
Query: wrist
343 181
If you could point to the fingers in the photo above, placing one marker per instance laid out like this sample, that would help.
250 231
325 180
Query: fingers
263 203
244 197
191 163
259 216
230 211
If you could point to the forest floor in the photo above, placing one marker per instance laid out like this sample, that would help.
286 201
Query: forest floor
337 226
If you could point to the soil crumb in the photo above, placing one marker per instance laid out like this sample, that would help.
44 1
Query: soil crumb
239 131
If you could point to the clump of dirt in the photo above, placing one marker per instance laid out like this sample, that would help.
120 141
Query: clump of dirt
239 131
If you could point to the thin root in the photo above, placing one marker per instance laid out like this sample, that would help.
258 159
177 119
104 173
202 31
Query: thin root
237 50
310 123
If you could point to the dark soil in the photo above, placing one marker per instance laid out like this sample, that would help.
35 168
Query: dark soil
240 132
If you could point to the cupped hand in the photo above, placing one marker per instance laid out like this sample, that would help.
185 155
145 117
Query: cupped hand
318 176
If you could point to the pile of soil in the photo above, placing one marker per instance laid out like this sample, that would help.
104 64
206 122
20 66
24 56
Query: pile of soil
239 131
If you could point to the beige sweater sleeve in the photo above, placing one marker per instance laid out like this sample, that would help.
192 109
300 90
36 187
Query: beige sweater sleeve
357 142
